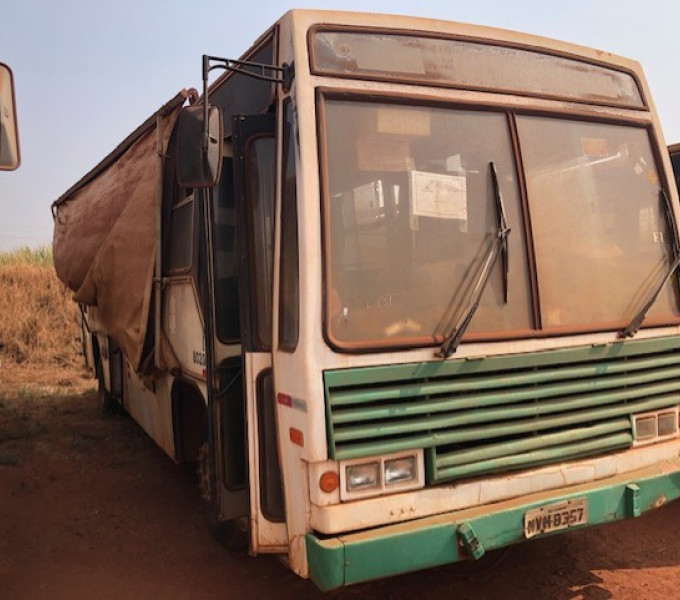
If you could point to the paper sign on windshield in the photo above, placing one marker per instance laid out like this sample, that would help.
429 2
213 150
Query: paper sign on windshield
439 196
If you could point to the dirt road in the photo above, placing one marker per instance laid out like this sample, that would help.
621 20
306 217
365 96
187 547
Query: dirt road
91 508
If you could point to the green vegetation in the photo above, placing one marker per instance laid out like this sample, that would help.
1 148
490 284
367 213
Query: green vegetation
41 255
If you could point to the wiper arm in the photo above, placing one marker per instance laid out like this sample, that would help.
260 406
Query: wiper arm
498 246
503 229
453 339
637 320
670 221
635 324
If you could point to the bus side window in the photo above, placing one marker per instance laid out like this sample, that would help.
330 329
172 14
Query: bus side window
675 161
289 315
179 257
227 313
260 170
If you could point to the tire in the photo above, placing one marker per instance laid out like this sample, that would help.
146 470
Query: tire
107 402
233 535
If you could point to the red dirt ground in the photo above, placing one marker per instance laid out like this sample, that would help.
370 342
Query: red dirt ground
91 508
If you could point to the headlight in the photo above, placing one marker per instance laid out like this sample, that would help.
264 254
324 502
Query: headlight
656 426
362 476
668 424
381 475
645 428
400 470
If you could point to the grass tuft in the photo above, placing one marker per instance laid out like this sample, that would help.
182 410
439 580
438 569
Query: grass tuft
41 255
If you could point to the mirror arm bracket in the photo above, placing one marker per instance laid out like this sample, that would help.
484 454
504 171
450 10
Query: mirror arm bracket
283 75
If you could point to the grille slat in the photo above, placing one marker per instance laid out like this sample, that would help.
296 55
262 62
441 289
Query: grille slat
484 433
539 457
453 403
501 413
485 381
492 451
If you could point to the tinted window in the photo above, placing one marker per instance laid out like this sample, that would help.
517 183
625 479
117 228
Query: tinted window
226 259
289 318
181 241
260 182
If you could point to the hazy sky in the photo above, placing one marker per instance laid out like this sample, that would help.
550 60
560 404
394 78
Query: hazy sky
88 73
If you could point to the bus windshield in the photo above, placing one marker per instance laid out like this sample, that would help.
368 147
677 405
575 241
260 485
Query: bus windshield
410 216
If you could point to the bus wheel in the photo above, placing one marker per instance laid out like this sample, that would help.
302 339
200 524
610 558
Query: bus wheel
234 534
107 402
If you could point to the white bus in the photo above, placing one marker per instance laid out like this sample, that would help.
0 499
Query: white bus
409 297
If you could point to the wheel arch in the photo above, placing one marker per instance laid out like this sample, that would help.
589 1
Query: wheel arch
189 418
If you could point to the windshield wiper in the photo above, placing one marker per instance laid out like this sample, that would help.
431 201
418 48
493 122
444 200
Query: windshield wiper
498 246
637 320
635 324
503 229
670 221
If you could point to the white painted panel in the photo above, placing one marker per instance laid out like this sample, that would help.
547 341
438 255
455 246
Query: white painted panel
183 326
446 498
151 410
266 536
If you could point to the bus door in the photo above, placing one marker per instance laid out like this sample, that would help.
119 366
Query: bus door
254 145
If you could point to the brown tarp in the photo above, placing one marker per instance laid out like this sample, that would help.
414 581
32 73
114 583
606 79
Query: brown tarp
105 233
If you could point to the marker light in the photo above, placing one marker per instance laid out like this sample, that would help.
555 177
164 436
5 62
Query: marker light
329 481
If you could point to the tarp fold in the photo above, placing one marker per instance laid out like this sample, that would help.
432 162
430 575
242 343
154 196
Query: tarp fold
105 233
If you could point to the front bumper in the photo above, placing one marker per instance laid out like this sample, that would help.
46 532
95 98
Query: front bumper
451 537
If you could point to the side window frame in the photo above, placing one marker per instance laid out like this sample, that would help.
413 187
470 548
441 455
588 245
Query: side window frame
228 298
289 264
255 264
182 246
247 128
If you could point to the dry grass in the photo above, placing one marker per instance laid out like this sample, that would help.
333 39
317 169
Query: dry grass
37 316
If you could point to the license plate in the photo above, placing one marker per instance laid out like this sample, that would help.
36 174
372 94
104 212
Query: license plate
555 517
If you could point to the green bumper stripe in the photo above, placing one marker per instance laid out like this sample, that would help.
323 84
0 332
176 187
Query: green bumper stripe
335 562
433 541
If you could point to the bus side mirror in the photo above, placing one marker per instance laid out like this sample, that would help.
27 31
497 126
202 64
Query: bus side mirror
198 167
9 134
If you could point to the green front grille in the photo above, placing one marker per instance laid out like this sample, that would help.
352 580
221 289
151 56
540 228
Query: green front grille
502 413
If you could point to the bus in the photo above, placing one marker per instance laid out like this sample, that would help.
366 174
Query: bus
405 290
674 151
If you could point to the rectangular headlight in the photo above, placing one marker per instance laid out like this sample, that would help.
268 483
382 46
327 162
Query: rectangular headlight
668 424
372 476
645 428
362 476
655 426
400 470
